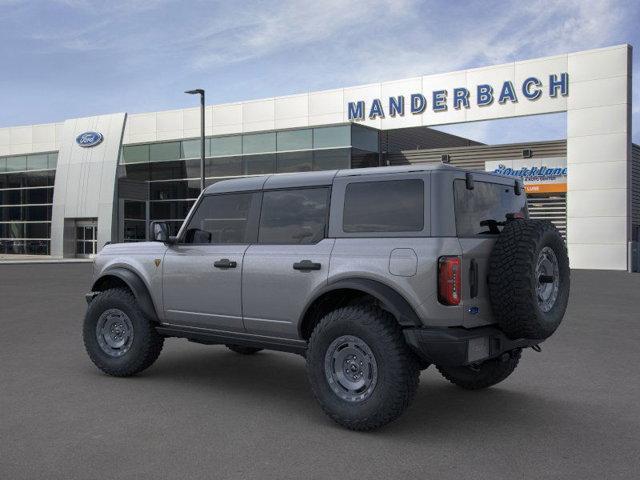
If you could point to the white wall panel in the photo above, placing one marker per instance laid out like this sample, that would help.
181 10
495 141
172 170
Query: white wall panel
607 147
597 120
599 257
405 88
227 119
494 76
367 93
598 203
600 63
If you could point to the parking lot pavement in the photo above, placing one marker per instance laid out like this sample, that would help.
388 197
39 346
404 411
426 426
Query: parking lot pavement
572 411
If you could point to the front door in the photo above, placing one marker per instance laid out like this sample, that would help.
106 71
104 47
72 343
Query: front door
289 261
202 273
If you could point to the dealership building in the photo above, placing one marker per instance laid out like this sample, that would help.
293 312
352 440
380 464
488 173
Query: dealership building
68 188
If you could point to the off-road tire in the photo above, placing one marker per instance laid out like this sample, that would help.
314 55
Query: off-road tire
513 281
397 367
146 344
242 350
484 375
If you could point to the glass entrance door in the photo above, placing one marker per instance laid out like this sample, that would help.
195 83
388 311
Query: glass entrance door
86 239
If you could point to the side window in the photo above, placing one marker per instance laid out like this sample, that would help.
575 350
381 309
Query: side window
296 216
384 206
224 218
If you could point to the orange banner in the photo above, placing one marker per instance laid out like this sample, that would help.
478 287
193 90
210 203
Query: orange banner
546 188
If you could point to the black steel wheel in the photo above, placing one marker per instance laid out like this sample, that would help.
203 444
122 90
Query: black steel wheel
118 337
361 372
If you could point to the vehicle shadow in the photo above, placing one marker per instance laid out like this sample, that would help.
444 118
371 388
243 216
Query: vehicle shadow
278 382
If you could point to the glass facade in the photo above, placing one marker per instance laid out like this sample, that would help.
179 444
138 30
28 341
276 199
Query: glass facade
26 198
160 181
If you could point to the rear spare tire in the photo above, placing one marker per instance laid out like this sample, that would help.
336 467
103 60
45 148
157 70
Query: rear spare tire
529 279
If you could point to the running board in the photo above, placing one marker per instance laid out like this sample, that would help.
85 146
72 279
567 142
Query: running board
208 337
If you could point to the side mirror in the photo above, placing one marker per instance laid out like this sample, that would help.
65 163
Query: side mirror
159 232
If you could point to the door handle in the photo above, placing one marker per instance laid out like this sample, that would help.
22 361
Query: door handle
225 263
306 265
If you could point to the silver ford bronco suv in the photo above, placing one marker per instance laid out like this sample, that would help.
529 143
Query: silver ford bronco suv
370 274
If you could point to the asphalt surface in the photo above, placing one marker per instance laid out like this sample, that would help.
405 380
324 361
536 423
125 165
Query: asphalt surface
572 411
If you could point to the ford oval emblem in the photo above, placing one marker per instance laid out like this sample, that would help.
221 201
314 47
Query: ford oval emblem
89 139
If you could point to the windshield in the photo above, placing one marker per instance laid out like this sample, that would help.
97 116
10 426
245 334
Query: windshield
483 210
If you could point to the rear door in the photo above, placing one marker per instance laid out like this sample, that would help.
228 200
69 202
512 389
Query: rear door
289 261
480 213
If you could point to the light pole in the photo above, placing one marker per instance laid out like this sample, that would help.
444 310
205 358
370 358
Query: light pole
200 92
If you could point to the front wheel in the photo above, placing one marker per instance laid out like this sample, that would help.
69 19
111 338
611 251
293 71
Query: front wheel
484 375
360 369
118 337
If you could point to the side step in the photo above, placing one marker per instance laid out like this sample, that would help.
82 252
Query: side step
209 337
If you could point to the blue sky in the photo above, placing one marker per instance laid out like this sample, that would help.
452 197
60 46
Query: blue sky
70 58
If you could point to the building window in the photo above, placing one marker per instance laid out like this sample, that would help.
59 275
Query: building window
332 137
259 143
162 152
225 146
295 140
295 162
26 197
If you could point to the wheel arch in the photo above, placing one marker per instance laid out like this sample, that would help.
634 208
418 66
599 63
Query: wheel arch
349 290
123 277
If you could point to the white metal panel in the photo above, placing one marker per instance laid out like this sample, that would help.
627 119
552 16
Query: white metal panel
494 76
598 203
44 133
447 82
597 176
367 93
540 69
599 63
227 118
585 150
597 120
600 257
170 121
404 88
21 135
598 93
258 115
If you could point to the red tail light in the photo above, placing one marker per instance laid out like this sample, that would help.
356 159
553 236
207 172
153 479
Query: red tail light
449 280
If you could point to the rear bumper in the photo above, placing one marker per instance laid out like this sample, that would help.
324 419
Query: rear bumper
460 346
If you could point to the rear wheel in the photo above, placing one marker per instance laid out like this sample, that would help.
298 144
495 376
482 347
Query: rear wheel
484 375
118 337
360 369
243 350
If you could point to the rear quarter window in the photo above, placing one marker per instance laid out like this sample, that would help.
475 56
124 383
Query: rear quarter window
384 206
483 210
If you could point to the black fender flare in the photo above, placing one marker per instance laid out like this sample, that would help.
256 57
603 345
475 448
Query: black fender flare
136 285
390 299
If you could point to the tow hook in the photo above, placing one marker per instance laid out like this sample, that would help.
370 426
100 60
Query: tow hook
536 348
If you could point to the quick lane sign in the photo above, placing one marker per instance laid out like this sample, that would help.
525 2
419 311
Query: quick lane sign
548 175
482 95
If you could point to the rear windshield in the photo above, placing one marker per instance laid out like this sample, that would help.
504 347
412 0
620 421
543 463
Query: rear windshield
483 210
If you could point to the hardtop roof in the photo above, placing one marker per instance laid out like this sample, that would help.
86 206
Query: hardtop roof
321 178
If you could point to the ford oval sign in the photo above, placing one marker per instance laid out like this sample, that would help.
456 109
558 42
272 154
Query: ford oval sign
89 139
